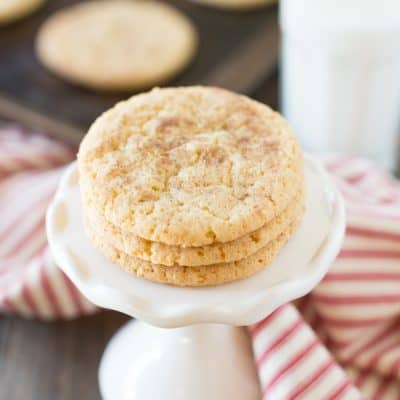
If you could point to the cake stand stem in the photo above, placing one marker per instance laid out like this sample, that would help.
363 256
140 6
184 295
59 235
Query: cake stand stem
198 362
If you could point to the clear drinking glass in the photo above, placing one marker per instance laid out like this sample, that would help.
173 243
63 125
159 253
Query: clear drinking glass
341 75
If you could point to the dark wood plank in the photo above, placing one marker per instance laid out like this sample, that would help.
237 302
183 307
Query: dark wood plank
251 63
53 360
268 91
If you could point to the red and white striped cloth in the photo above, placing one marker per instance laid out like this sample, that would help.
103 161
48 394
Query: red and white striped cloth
340 342
30 284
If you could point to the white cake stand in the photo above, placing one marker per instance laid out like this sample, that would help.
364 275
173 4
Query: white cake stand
206 356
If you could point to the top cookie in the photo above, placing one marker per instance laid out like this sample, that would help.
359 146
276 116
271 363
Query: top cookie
190 166
117 44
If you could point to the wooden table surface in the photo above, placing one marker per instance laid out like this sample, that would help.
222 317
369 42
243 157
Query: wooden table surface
59 360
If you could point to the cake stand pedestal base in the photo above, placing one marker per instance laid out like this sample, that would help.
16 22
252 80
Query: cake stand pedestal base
197 362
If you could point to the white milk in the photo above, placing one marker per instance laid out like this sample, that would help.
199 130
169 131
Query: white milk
341 75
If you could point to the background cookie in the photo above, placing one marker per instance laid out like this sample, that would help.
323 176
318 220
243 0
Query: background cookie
190 166
159 253
208 275
237 4
117 44
11 10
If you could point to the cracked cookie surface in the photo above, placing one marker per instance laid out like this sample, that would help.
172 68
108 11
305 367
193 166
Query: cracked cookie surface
190 166
11 10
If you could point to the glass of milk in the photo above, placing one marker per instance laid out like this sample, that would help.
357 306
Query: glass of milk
341 75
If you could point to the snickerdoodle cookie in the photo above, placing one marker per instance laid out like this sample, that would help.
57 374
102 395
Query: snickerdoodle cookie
117 44
190 166
11 10
160 253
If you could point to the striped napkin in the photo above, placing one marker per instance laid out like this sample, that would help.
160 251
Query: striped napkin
340 342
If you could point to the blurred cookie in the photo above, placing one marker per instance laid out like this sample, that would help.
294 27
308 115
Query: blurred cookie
11 10
237 4
117 44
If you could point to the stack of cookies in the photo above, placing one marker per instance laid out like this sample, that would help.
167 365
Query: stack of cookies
191 186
